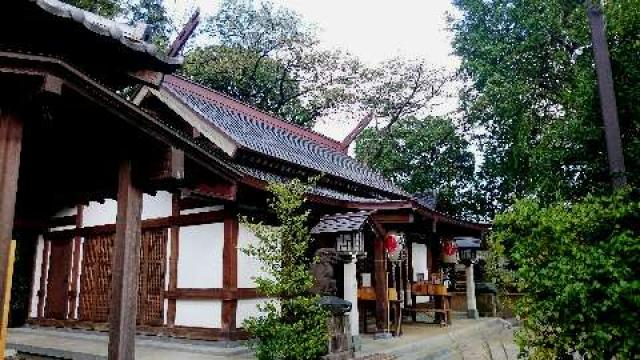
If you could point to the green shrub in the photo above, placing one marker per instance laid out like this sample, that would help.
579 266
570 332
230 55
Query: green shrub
577 265
295 326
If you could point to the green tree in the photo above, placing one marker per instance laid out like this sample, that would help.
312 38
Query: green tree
268 57
533 93
295 326
150 12
575 265
106 8
425 155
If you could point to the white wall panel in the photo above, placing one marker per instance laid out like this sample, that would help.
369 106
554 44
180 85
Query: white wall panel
248 308
157 206
36 277
419 260
199 313
100 214
200 260
248 267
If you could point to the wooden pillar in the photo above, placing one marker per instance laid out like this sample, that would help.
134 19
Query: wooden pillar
10 147
382 291
230 274
173 261
125 268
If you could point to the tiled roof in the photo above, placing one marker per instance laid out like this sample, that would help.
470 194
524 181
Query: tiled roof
352 221
273 137
127 35
316 190
427 199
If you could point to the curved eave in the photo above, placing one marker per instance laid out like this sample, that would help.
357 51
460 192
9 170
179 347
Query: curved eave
42 66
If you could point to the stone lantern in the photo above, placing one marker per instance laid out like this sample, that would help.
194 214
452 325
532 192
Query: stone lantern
467 251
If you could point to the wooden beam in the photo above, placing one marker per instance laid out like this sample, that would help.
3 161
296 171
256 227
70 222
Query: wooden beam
230 271
406 218
208 217
213 294
125 268
10 148
382 288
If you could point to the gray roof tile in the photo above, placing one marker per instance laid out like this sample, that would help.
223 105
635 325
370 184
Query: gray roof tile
252 132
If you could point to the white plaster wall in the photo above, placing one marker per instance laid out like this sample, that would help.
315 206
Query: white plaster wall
248 308
200 260
419 260
100 213
199 313
157 206
105 213
66 212
166 277
248 267
36 277
81 257
203 209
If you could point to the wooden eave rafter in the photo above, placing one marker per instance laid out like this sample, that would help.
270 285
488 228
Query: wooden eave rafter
43 66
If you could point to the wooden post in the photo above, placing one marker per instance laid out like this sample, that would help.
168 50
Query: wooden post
382 288
125 268
607 94
7 298
230 274
10 147
173 260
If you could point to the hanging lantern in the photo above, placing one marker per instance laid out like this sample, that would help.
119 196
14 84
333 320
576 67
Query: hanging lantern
468 249
449 252
394 244
351 242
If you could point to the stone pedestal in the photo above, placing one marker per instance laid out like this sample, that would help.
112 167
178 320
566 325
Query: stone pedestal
472 310
351 295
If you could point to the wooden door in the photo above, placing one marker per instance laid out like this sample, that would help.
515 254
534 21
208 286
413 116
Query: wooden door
56 306
95 281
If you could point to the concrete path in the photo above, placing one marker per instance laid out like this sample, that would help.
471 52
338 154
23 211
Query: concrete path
465 339
85 345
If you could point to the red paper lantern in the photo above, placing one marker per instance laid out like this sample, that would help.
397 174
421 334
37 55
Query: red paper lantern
391 243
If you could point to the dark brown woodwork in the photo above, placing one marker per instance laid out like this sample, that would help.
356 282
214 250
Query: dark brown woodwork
230 271
184 35
186 332
126 263
381 285
10 148
173 260
213 294
208 217
57 306
43 277
218 191
402 218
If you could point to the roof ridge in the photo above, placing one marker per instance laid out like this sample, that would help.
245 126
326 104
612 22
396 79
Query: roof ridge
259 114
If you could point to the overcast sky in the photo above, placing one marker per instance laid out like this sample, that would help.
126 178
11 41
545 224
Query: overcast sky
374 30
